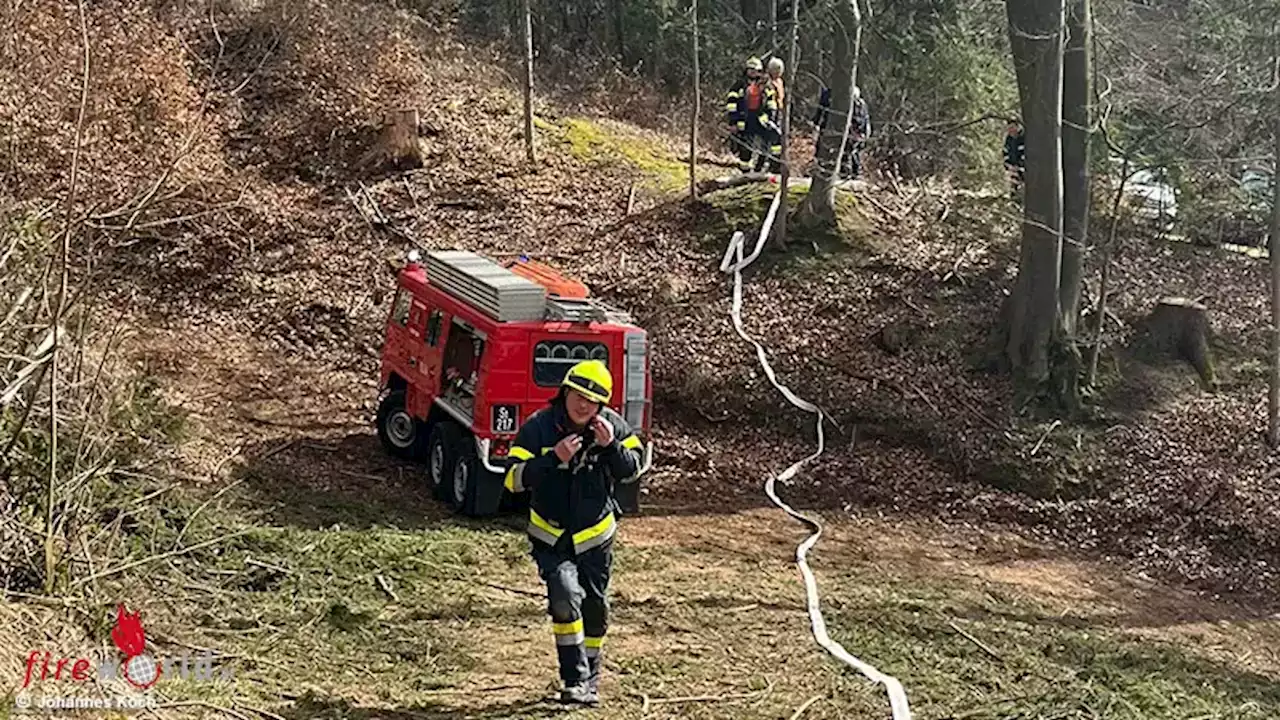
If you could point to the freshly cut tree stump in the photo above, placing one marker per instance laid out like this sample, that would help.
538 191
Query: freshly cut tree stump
1180 326
398 146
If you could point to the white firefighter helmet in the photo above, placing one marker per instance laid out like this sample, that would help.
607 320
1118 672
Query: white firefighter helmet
775 66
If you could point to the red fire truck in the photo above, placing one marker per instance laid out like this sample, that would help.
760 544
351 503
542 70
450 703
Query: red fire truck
473 348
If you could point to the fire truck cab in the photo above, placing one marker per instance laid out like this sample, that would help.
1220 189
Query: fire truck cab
473 348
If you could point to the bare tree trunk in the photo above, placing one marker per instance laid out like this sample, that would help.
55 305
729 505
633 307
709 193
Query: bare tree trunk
1091 376
1033 315
697 108
820 204
619 33
773 28
528 83
1273 252
1077 120
789 86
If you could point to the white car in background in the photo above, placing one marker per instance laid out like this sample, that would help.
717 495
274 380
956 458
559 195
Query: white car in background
1152 198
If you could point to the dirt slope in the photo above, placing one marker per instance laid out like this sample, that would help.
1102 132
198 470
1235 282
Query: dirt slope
228 212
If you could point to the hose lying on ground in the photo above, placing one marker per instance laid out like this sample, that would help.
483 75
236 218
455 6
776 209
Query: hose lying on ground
897 696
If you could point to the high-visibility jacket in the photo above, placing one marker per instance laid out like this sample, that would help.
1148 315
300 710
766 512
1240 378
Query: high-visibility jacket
571 505
740 96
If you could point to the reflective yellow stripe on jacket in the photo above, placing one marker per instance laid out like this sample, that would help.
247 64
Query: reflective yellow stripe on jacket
602 532
596 535
542 529
515 475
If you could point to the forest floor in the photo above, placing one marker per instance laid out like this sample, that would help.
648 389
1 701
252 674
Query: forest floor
999 564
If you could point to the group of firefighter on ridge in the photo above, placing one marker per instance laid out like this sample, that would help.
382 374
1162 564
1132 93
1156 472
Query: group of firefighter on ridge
753 113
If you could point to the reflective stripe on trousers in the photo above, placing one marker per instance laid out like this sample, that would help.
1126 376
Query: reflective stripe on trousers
577 587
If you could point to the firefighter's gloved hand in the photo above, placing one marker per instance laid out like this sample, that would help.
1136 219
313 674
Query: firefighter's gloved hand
568 447
603 431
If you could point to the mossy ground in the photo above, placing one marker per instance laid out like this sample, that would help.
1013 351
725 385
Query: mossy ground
854 236
600 141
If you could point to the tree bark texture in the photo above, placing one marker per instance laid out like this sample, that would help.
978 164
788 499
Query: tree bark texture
773 26
1273 252
1033 315
528 83
1077 119
619 31
697 106
789 85
820 203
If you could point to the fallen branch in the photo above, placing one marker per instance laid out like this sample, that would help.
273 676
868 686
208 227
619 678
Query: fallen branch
920 394
517 591
1045 436
800 710
386 588
706 159
981 645
955 268
631 199
885 209
171 553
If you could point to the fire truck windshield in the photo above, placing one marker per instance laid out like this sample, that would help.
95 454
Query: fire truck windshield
552 359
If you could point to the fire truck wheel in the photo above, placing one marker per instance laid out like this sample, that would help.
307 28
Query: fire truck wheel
401 434
462 489
442 455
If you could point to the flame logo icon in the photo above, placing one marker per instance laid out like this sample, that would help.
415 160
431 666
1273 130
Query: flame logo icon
140 670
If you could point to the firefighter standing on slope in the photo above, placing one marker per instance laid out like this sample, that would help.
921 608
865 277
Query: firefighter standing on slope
751 110
569 457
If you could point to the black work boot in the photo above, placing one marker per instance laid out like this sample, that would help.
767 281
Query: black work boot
581 694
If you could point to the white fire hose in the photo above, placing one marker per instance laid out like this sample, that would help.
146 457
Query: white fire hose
897 696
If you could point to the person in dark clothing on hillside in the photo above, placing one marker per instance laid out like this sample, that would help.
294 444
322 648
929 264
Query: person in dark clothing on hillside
1015 156
851 163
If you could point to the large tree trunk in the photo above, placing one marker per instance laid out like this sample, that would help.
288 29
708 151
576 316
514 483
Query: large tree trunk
528 83
820 204
1033 315
790 87
1077 120
1273 251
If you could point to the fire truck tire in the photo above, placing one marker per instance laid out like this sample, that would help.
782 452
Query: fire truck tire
472 490
442 453
403 435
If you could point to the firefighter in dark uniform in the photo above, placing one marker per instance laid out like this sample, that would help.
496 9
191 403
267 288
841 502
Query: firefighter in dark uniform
1015 156
751 110
570 456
